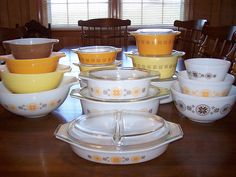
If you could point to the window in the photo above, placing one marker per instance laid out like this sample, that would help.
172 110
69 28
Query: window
66 13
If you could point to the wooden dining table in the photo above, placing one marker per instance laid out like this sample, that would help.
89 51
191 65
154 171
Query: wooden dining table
28 147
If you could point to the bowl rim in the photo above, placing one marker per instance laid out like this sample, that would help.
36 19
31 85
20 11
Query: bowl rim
198 62
198 98
96 49
175 53
183 75
30 41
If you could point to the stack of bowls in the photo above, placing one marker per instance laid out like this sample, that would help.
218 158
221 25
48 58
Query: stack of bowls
155 52
204 91
121 88
97 57
31 73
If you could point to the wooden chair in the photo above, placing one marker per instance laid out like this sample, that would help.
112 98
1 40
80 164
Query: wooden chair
36 29
104 31
216 41
231 56
9 34
188 40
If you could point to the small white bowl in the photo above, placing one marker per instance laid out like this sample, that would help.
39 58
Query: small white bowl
201 109
203 88
150 103
119 83
207 69
38 104
119 137
165 83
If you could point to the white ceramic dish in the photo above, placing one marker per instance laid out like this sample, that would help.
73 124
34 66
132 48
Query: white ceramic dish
120 138
207 69
150 103
201 109
39 104
119 83
165 83
203 88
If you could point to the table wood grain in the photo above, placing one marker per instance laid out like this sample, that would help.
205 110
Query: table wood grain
28 147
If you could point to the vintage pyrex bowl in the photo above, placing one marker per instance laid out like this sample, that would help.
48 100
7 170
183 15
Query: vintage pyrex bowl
38 104
207 69
32 66
85 67
30 48
154 42
165 83
97 54
202 109
204 88
119 83
31 83
165 65
119 137
150 103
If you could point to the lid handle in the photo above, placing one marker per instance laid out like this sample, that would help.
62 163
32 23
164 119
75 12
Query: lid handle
118 129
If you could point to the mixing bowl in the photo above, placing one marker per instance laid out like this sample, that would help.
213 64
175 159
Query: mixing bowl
154 42
150 103
32 66
165 65
85 67
97 54
30 48
118 83
122 137
31 83
207 69
201 109
204 88
38 104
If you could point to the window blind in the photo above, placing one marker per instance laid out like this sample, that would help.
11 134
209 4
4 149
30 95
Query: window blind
66 13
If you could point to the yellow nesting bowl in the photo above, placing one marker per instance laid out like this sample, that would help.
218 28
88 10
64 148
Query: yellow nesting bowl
31 83
97 55
154 42
166 65
32 66
85 68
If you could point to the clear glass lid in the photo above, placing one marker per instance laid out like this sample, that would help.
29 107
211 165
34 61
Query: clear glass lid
120 73
154 31
113 130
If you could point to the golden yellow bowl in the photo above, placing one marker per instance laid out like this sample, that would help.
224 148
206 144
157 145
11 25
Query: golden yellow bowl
166 65
85 68
96 55
31 83
154 42
32 66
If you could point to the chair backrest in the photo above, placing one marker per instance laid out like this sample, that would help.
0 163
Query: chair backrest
104 31
216 41
188 40
36 29
9 34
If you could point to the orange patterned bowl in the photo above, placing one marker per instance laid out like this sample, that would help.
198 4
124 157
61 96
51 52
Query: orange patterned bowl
32 66
154 42
95 55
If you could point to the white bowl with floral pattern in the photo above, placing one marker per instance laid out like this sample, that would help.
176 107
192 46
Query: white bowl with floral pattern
207 69
202 109
204 88
33 105
119 83
150 103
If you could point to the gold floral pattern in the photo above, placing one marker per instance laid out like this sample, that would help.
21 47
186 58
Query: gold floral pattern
117 159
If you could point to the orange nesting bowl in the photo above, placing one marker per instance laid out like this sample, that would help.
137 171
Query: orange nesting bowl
32 66
97 55
154 42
